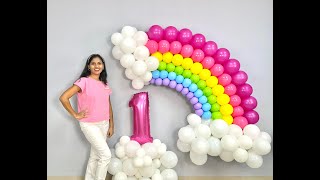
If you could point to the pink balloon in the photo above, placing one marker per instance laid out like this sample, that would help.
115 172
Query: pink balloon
221 55
171 33
244 90
163 46
141 122
239 78
197 55
235 100
216 70
186 50
252 116
231 66
209 48
224 79
230 89
240 121
175 47
152 45
198 41
185 36
249 103
207 62
156 33
237 111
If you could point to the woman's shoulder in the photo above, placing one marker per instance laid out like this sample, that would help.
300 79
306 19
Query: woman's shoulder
82 79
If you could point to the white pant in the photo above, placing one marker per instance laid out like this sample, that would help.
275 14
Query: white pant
100 154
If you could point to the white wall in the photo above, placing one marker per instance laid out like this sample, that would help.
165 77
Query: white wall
78 28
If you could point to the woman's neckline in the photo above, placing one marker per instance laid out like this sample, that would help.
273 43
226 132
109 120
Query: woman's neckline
94 79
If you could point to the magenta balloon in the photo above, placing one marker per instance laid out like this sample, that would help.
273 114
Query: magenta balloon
198 41
249 103
141 121
152 45
221 55
156 33
252 116
171 33
186 50
185 36
197 55
231 66
230 89
217 70
239 78
224 79
175 47
207 62
235 100
244 90
209 48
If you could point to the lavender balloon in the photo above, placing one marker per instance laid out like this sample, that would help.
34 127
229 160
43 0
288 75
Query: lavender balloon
231 66
156 33
179 87
185 91
171 33
185 36
194 100
249 103
244 90
166 81
158 82
239 78
198 41
152 81
197 106
252 116
221 56
190 95
199 112
172 84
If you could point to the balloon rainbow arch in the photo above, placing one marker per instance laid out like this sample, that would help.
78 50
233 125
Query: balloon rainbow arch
223 121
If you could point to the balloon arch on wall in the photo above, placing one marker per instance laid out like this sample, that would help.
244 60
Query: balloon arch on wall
224 119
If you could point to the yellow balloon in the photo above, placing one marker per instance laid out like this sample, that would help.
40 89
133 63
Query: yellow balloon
217 90
223 99
226 109
167 57
187 63
177 59
196 68
212 81
158 55
204 74
228 119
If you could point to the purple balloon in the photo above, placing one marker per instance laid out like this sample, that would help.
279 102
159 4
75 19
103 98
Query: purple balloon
158 82
231 66
194 100
244 90
197 106
156 33
165 81
198 41
209 48
179 87
249 103
239 78
221 56
152 81
185 91
185 36
172 84
171 33
252 116
189 94
199 112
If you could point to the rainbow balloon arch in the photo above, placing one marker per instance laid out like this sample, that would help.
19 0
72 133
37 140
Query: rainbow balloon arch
214 84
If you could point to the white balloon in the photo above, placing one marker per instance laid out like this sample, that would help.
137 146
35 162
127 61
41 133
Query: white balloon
117 145
229 143
132 178
193 119
116 52
120 152
141 38
245 142
137 83
124 140
152 63
219 128
156 163
116 38
147 161
156 142
128 45
169 174
141 53
215 147
115 166
261 146
226 156
235 130
120 176
254 160
139 67
141 152
147 171
129 168
169 159
198 159
128 31
161 149
251 130
186 134
138 162
150 149
240 155
202 130
156 176
131 148
146 77
265 136
206 122
183 147
129 74
200 145
127 60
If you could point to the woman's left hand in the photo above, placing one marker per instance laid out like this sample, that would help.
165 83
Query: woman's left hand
110 132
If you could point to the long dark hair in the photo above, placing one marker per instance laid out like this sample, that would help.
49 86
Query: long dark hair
86 72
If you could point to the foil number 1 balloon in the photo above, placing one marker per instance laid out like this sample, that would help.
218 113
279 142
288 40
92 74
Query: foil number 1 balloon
141 121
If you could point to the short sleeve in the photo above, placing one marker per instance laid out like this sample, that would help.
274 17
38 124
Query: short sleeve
81 83
108 89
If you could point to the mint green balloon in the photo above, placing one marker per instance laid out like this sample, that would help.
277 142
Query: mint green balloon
195 78
215 107
162 66
186 73
201 84
207 91
178 70
170 67
212 99
216 115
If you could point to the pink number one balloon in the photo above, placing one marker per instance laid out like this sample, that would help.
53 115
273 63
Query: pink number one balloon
141 122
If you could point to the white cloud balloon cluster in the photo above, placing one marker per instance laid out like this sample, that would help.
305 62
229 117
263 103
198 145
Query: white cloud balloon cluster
129 48
229 142
147 161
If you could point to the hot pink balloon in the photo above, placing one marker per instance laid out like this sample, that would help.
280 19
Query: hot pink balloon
230 89
185 36
175 47
156 33
231 66
235 100
198 41
197 55
221 55
244 90
163 46
239 78
252 116
186 50
209 48
216 70
224 79
207 62
141 121
240 121
152 45
171 33
237 111
249 103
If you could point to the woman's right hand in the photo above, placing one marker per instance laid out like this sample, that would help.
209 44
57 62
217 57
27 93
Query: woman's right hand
80 115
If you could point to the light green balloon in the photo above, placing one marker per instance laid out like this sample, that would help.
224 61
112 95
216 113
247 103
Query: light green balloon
162 66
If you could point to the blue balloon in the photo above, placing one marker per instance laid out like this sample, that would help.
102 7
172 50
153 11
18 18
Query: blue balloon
203 99
172 75
179 79
198 93
206 115
205 106
163 74
186 82
193 87
155 74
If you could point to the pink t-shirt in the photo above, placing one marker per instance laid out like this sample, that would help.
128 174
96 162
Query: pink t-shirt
94 98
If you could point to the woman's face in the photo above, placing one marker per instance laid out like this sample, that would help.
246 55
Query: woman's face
96 66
